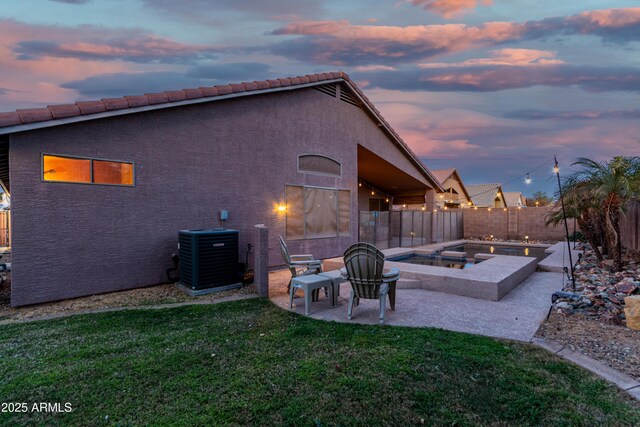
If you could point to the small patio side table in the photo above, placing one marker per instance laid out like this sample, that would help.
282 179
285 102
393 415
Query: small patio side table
308 284
336 279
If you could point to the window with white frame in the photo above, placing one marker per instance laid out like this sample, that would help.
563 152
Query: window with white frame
314 212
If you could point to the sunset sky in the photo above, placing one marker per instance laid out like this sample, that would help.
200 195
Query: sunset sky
491 87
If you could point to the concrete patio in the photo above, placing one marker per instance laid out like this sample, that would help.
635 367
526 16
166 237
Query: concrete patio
517 316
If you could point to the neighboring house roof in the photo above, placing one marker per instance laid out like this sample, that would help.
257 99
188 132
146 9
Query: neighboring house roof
513 198
53 115
484 195
444 174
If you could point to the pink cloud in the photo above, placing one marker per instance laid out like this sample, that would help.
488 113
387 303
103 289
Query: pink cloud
442 133
429 148
340 42
496 77
375 68
608 18
602 140
463 137
513 57
35 78
450 8
139 49
313 27
343 43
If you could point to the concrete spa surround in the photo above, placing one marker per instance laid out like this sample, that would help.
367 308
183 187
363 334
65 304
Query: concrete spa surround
491 279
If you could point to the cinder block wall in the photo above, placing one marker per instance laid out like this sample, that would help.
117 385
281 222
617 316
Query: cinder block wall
630 227
528 222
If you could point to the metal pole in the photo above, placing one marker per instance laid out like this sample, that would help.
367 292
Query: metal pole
389 237
566 226
375 226
400 233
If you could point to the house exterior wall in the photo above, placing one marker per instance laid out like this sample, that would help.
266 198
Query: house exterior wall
460 197
71 240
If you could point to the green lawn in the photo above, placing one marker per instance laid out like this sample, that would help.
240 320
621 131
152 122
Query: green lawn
249 362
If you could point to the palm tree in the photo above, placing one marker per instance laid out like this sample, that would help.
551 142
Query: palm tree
580 205
603 191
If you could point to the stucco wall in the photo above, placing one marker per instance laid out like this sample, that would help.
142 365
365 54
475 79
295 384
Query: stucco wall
524 222
455 185
73 239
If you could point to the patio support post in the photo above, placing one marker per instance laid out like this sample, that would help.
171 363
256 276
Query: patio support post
261 260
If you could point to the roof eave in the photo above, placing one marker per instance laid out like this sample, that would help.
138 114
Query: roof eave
132 110
412 156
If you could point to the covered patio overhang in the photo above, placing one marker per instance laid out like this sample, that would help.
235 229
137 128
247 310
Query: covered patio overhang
384 179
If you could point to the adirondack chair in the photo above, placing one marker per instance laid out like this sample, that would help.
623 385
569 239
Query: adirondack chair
299 265
364 264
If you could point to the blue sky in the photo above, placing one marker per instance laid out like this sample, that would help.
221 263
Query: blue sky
493 88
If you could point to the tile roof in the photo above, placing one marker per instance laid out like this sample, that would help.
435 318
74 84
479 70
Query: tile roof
83 108
512 198
483 195
12 121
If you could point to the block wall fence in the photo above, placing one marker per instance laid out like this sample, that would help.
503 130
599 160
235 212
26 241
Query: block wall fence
513 223
630 227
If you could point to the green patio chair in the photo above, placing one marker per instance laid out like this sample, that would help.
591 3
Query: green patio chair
364 268
299 265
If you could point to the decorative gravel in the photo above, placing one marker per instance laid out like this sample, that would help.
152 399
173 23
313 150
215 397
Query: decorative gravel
593 323
616 346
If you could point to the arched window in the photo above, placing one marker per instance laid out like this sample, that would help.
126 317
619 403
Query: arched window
319 165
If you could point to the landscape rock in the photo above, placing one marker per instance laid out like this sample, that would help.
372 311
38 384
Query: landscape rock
564 305
626 286
632 311
601 290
